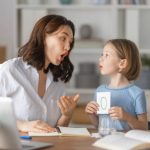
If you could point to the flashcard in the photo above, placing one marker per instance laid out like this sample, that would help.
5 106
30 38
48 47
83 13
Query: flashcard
103 99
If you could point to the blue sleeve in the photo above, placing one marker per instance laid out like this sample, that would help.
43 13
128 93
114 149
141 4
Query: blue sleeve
140 106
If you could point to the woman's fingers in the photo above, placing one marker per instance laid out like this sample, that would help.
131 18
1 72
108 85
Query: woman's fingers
76 98
40 126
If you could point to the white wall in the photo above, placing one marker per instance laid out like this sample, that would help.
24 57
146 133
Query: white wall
6 25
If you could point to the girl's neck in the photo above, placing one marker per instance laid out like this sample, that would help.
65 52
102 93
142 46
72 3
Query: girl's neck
118 81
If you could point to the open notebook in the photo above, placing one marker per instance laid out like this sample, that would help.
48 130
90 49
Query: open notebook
132 140
64 131
9 136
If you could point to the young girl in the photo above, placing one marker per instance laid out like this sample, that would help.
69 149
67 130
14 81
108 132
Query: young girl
36 79
120 61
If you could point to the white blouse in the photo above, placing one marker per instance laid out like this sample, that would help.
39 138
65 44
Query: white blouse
19 81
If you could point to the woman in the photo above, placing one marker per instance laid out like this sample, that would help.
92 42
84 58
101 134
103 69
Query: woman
36 79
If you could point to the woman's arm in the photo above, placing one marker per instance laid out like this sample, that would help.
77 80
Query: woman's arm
34 126
67 105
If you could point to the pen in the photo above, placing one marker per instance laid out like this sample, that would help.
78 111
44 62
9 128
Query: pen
26 137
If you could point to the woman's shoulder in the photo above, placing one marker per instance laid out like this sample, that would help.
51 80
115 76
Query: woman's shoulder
10 63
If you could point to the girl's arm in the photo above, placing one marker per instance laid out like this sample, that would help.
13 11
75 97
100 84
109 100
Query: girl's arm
91 109
135 123
138 123
94 119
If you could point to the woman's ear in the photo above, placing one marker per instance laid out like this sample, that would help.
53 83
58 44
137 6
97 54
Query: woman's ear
122 64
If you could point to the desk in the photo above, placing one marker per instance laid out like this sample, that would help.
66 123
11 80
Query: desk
68 143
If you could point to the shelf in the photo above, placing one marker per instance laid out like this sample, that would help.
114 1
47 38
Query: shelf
126 7
145 51
91 50
80 90
83 7
62 7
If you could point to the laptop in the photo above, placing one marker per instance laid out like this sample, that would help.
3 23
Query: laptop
9 135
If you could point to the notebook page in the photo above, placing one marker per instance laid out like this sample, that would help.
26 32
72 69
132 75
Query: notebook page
68 131
117 142
139 135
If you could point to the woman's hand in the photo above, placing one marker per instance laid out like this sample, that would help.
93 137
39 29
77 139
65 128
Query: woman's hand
34 126
92 107
117 113
67 104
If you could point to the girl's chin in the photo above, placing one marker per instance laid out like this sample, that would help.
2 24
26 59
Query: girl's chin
102 73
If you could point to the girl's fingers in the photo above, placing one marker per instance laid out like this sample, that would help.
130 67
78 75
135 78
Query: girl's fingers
93 106
94 103
91 110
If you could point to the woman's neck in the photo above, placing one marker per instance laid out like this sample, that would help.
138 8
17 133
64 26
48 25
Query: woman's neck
118 81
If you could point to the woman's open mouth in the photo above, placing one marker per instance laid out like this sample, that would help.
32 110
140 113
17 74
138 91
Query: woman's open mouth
62 56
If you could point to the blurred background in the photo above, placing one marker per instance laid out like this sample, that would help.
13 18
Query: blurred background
96 21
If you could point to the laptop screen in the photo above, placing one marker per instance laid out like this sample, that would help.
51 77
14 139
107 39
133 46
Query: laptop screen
9 135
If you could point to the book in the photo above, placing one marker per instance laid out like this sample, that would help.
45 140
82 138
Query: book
133 139
64 131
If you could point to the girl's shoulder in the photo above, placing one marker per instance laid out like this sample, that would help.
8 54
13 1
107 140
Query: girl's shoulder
101 87
136 89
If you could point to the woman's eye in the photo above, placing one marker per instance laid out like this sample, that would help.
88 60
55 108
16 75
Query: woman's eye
63 39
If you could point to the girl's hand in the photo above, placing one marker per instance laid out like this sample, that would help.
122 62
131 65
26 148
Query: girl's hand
117 113
67 104
34 126
92 107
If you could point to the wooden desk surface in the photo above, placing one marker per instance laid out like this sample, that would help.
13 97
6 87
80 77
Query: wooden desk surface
68 143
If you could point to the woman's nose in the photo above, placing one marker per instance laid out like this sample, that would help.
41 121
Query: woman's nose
67 46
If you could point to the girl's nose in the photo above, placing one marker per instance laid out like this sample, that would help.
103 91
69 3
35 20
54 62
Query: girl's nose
100 58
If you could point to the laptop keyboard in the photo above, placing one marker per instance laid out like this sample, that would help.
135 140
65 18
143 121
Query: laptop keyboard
27 146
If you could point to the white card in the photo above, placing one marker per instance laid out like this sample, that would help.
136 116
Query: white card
103 99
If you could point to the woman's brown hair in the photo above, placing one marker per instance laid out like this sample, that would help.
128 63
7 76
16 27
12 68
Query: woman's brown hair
128 50
33 51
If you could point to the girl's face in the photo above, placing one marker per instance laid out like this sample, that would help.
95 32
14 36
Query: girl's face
109 62
57 45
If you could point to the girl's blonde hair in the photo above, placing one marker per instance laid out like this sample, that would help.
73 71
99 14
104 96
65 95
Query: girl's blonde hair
128 50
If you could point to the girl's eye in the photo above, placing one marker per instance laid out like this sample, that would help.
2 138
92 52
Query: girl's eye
106 55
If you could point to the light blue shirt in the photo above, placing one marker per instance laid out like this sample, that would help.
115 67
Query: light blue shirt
131 99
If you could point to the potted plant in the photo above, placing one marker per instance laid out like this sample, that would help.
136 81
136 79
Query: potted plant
144 78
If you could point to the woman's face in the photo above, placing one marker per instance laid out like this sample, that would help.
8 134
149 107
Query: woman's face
57 45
